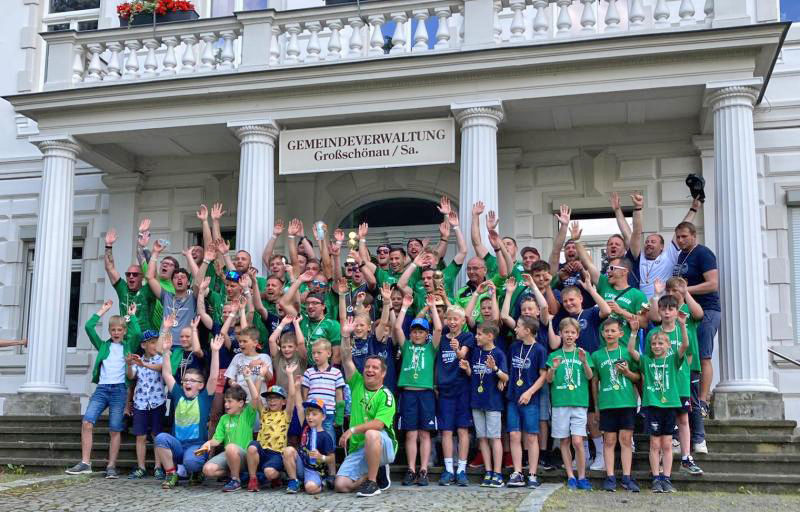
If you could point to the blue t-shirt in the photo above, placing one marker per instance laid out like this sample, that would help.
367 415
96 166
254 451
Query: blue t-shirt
589 321
485 395
691 266
371 346
451 380
191 416
526 361
324 445
225 354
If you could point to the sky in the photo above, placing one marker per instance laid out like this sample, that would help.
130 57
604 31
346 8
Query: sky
790 10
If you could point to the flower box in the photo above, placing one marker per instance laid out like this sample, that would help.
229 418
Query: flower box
147 19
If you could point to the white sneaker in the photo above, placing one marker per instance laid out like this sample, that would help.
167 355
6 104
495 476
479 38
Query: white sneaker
633 446
599 464
676 447
701 447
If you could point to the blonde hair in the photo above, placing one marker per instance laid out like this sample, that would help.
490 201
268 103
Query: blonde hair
571 322
322 342
365 317
456 310
117 320
660 334
675 282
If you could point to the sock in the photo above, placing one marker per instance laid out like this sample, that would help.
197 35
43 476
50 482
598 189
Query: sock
171 471
598 446
462 465
448 464
685 458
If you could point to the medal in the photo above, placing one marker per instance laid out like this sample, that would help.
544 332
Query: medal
616 387
571 387
663 399
519 382
480 389
415 376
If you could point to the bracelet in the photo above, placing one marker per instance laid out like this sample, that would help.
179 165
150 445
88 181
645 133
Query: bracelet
362 265
352 430
363 240
291 237
637 209
456 228
109 247
693 210
207 262
127 318
443 240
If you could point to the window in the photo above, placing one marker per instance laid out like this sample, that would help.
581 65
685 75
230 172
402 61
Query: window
228 7
229 235
71 15
73 5
794 244
595 230
74 291
394 212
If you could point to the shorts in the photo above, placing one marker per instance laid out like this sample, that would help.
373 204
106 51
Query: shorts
417 410
686 405
488 424
354 466
222 461
149 421
182 453
221 380
568 421
614 420
544 403
267 458
113 396
453 413
305 474
706 331
523 418
660 421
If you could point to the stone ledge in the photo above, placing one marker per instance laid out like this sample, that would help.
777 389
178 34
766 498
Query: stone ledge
41 404
743 405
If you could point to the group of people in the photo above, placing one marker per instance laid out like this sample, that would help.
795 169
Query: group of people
262 377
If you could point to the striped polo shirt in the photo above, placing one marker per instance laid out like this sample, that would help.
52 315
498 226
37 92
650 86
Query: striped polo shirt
323 385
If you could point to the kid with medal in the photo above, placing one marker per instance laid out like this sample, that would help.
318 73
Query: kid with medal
660 396
569 370
616 399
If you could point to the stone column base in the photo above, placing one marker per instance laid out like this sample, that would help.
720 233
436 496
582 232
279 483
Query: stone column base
41 404
747 405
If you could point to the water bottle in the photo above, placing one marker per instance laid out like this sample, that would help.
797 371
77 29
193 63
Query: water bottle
312 445
319 226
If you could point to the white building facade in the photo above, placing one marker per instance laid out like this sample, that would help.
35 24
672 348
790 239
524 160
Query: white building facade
552 102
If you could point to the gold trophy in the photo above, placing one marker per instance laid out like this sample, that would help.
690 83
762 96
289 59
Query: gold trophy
438 280
352 244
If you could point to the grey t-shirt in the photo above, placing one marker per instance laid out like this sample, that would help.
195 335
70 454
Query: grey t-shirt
186 308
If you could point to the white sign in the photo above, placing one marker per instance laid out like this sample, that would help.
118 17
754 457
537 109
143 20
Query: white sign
367 146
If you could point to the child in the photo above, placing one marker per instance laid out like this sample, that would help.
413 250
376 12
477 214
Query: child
111 391
615 394
287 346
660 396
316 445
417 400
248 362
234 432
192 405
452 384
189 354
528 360
488 309
149 402
569 371
488 373
326 383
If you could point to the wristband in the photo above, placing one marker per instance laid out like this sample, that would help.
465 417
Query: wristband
127 318
456 228
291 237
352 430
693 210
207 262
362 265
637 209
274 237
363 240
443 240
109 247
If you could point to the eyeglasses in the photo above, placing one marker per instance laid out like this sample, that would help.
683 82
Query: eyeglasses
132 274
232 275
187 381
351 267
318 284
313 303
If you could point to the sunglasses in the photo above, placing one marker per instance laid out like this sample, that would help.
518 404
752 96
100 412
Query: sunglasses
383 251
232 275
318 284
615 267
132 274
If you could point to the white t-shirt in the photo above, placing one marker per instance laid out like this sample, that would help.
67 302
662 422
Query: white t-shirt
241 361
112 371
660 268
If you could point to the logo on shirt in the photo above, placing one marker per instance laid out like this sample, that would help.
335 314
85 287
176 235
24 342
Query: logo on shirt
520 362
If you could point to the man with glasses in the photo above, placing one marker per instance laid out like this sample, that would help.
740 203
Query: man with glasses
314 324
131 289
382 256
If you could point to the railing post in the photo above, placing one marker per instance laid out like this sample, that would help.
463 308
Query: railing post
60 60
256 38
478 24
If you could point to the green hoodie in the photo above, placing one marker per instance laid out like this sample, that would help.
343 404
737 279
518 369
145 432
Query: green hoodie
133 337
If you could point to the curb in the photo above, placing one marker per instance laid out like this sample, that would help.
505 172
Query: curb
534 501
40 481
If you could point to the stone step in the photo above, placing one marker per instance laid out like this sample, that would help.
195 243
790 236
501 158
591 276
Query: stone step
742 443
754 427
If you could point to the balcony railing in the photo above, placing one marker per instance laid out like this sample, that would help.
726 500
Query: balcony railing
375 30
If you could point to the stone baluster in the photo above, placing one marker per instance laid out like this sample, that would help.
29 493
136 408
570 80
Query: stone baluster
708 9
78 62
356 43
95 65
588 17
517 27
150 61
399 36
564 21
275 47
292 46
421 33
188 59
170 63
443 29
686 13
376 38
461 25
636 15
497 28
227 54
661 14
113 66
313 48
612 17
132 62
541 26
335 40
207 60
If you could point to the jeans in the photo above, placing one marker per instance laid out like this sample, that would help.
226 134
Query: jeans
112 396
181 454
696 425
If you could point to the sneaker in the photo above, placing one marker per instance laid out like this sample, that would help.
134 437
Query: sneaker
676 447
80 468
368 488
476 462
461 479
666 485
633 446
422 478
508 462
111 473
532 482
384 480
497 480
584 484
170 481
137 474
159 474
610 484
516 480
701 447
545 464
572 484
703 409
195 479
629 484
447 478
293 486
252 485
410 478
688 465
599 464
656 485
487 479
232 485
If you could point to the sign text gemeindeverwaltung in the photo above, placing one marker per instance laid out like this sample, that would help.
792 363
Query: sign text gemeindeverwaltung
367 146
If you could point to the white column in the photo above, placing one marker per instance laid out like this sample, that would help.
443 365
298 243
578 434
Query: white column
49 310
743 336
255 210
478 181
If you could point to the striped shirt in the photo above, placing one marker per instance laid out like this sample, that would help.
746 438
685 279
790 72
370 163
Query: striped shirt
323 385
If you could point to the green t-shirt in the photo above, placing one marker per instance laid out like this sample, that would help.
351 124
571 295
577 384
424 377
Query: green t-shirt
630 299
143 298
463 295
684 372
386 276
314 330
449 274
238 428
691 330
660 380
615 390
158 309
569 387
368 406
416 367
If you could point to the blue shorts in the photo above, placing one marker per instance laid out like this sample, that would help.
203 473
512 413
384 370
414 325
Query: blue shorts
305 474
523 418
354 466
182 454
268 458
417 410
112 396
706 331
544 403
453 413
150 421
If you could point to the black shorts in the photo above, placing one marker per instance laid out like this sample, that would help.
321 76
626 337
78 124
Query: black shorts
149 421
660 421
686 405
614 420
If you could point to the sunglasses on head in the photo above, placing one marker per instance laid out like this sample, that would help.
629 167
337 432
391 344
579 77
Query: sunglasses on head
232 275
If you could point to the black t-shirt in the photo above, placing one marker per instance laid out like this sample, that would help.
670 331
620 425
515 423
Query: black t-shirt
691 266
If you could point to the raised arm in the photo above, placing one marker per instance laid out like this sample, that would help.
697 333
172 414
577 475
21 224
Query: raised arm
622 224
152 281
289 298
587 370
475 230
108 257
269 249
348 365
635 245
213 372
201 304
196 349
692 212
583 254
562 217
505 311
142 240
437 322
634 338
503 258
684 335
399 336
384 328
223 251
587 285
553 338
166 365
473 302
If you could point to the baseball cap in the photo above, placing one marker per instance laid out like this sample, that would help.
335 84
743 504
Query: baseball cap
274 390
149 334
316 403
421 323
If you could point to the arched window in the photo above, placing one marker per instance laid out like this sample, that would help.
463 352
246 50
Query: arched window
394 212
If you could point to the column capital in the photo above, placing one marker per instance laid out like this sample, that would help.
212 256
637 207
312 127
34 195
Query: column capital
264 131
57 145
118 183
478 113
742 93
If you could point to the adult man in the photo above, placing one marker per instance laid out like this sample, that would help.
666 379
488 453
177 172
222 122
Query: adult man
130 290
698 265
183 301
371 442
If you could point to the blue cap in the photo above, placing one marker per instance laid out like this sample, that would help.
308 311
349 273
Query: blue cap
274 390
149 334
315 403
420 322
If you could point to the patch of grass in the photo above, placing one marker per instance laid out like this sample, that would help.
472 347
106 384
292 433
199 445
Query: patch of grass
46 486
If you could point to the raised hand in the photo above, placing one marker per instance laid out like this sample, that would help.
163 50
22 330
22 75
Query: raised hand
581 355
511 284
157 247
338 235
491 220
614 199
210 252
454 346
444 230
491 363
638 200
217 212
202 213
302 229
341 285
355 256
294 227
290 369
111 236
348 326
477 208
556 363
463 364
444 206
277 229
494 238
144 225
363 229
452 218
564 215
217 342
106 305
132 308
575 230
659 286
430 300
222 247
307 276
386 293
408 300
633 322
170 320
245 281
682 316
335 248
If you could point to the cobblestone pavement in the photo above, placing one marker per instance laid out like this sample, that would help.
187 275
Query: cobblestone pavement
146 495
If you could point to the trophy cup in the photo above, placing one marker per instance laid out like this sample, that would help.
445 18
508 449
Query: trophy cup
352 244
438 280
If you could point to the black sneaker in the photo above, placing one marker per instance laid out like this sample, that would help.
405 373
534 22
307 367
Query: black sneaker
384 481
410 478
656 485
367 489
666 485
422 478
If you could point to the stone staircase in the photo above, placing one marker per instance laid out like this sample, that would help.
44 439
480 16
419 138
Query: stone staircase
754 455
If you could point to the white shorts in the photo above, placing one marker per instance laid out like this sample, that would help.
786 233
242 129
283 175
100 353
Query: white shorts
568 421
